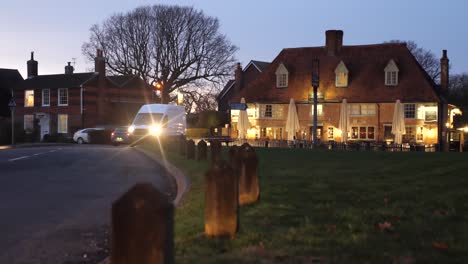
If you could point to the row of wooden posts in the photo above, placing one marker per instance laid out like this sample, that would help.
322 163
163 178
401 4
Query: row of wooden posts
143 218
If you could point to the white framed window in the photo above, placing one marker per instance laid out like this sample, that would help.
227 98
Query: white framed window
362 109
45 97
319 110
341 75
410 134
282 76
62 123
28 122
268 111
391 74
63 96
410 111
29 98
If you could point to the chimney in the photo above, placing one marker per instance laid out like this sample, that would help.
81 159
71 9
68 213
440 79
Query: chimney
333 42
32 66
69 69
100 63
238 78
444 73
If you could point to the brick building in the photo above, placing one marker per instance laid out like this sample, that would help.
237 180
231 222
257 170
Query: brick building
370 77
64 103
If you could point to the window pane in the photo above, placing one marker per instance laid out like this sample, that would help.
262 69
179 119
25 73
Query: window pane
370 132
29 98
46 97
330 133
63 96
319 110
410 110
362 132
268 111
355 109
28 122
388 132
62 126
354 132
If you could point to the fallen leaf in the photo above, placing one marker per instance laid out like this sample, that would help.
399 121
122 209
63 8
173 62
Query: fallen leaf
440 245
385 225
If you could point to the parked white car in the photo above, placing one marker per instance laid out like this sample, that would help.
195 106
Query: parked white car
82 136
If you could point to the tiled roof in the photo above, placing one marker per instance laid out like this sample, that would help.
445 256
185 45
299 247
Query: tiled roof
57 80
121 79
366 83
226 88
261 65
9 78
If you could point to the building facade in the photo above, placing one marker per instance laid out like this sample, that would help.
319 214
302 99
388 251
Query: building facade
65 103
370 77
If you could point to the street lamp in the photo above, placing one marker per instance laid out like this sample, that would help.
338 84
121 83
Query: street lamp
12 105
315 85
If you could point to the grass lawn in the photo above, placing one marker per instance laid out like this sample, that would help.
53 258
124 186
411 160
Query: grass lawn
338 207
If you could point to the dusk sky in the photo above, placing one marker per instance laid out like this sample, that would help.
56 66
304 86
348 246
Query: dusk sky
55 30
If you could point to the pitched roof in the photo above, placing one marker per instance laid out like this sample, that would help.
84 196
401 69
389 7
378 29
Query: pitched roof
121 79
9 78
57 80
366 64
226 88
260 65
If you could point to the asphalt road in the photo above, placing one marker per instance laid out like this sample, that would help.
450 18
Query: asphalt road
53 199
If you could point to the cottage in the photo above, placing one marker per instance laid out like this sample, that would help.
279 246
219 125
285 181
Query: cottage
370 77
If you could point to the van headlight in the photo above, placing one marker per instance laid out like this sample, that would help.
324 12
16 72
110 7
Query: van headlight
131 129
155 130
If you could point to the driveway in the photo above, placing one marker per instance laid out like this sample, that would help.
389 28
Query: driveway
55 201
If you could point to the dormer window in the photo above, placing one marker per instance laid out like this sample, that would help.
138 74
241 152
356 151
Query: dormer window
282 76
341 75
391 74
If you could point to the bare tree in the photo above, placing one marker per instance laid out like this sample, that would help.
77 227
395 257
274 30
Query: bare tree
178 46
427 59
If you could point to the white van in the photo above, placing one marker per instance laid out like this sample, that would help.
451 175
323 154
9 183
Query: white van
158 120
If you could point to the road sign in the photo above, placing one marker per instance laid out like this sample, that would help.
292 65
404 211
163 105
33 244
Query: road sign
12 103
238 106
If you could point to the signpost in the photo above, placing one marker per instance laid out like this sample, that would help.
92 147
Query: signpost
238 106
12 105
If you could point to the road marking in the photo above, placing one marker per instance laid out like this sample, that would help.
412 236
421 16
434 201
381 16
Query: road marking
22 157
35 154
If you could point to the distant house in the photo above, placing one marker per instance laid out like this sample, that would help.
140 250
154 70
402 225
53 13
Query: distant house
64 103
9 79
246 75
370 77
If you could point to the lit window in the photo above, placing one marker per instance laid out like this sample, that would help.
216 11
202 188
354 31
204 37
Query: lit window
28 122
282 76
370 132
355 109
409 136
29 98
46 97
391 74
367 109
63 97
330 133
354 132
319 110
62 126
341 75
410 111
419 135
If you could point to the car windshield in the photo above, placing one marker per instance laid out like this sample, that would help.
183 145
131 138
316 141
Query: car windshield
147 118
121 130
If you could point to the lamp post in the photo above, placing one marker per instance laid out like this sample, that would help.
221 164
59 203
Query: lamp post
315 85
12 105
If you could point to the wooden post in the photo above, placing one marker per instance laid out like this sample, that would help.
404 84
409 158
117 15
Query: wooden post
142 227
249 191
202 150
190 149
221 201
215 147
